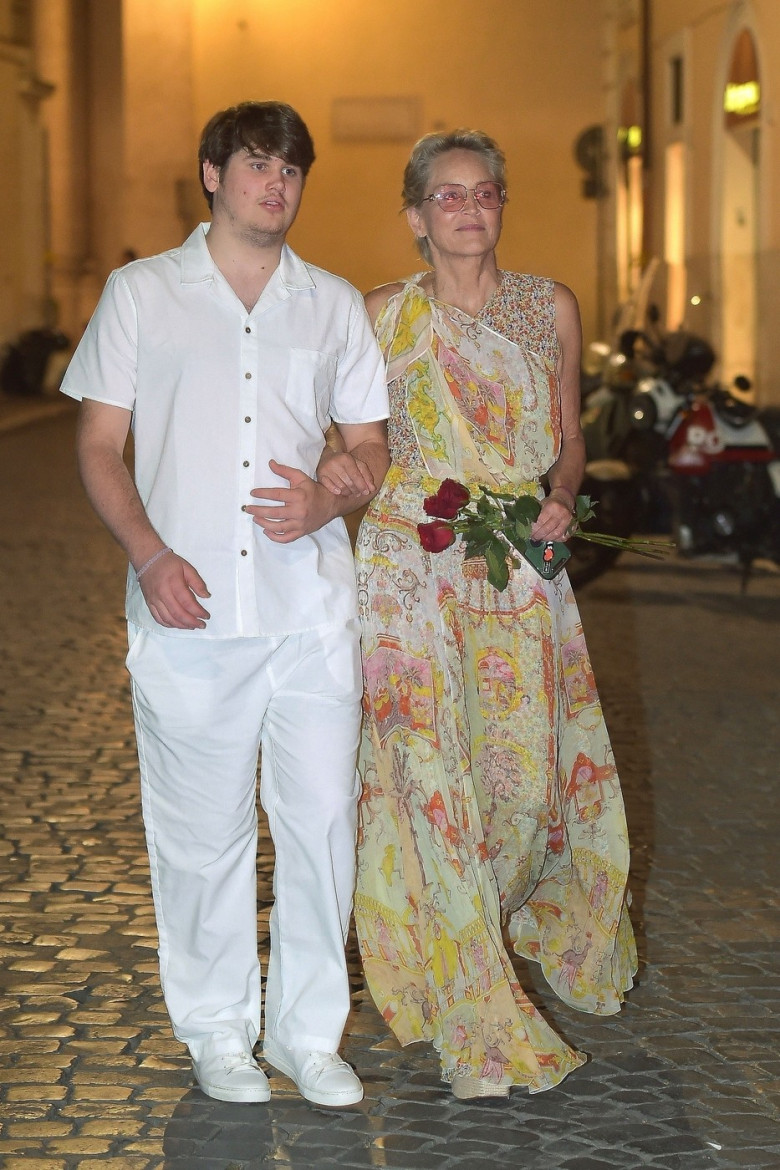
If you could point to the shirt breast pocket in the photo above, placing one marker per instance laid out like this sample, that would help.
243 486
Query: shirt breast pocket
310 382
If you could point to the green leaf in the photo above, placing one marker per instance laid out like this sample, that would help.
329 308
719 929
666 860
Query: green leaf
474 549
519 540
489 511
523 510
497 567
521 529
583 509
478 534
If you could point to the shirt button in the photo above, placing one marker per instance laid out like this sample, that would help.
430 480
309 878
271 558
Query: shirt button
243 552
247 419
247 376
246 463
247 329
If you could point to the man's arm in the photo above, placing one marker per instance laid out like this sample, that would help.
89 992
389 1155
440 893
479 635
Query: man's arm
308 505
336 468
171 583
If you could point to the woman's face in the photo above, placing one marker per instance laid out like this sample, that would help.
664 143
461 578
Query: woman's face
472 231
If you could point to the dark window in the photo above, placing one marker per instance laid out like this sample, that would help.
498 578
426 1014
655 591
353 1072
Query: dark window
676 82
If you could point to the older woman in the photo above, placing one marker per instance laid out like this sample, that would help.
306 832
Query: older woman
490 796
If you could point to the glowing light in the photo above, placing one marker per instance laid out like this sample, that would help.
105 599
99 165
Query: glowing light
630 137
743 99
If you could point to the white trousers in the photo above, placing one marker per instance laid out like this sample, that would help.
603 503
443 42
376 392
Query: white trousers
203 708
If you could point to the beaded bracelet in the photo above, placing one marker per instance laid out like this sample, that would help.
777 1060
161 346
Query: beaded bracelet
160 553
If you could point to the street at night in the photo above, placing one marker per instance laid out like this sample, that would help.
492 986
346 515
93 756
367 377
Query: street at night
686 1076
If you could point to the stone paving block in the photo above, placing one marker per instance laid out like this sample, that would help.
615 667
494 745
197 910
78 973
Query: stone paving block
608 1162
108 1092
19 1046
112 1128
33 1093
80 1145
38 1129
160 1063
32 1076
30 1162
122 1162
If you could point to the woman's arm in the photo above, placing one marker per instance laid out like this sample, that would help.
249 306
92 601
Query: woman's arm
566 473
378 298
354 463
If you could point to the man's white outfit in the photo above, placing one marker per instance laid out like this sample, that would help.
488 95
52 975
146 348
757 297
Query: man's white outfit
216 392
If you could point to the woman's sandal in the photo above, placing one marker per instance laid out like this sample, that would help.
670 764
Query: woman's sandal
467 1088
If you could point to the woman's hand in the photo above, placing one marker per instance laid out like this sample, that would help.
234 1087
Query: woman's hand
554 520
343 473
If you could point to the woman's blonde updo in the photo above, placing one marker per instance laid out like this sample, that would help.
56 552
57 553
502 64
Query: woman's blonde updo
428 149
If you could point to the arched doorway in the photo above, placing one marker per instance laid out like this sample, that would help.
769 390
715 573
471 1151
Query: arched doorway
739 210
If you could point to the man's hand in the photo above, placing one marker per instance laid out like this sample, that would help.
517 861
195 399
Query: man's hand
342 472
301 508
171 587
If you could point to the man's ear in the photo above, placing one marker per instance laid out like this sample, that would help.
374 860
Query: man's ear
210 176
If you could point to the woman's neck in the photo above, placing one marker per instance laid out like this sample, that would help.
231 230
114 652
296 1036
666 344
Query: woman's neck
466 284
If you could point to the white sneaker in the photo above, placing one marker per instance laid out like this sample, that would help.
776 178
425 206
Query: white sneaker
321 1077
232 1076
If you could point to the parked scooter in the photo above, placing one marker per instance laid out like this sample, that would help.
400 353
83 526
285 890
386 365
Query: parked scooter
723 460
668 451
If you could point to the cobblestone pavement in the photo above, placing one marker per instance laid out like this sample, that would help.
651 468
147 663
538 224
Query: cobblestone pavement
687 1076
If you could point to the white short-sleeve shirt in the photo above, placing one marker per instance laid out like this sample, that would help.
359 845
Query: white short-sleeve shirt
215 393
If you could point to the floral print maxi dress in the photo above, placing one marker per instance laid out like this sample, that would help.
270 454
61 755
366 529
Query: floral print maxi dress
490 795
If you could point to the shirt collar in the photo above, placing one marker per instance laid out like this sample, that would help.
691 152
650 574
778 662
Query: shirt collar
197 264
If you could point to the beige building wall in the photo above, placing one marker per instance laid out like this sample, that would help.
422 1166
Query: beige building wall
133 81
527 73
23 212
61 59
137 79
160 136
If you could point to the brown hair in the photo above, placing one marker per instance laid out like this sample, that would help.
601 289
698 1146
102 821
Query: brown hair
272 127
428 149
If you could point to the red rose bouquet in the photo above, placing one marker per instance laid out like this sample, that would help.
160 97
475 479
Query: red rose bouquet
497 526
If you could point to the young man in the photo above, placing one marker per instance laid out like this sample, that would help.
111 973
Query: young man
232 356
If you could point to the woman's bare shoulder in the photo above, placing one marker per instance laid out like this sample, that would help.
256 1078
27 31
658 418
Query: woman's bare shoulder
379 296
564 297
